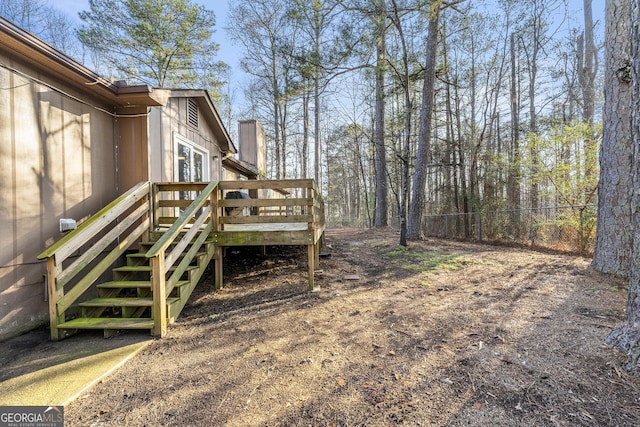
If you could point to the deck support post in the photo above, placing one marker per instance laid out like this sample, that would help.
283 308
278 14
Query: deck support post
218 277
311 259
159 289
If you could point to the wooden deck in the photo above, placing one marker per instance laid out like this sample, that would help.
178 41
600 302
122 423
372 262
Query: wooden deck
177 229
275 213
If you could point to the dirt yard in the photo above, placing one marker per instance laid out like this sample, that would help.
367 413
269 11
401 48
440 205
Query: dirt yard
441 334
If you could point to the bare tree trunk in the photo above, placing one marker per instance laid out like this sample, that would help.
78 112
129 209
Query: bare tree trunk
382 188
587 69
587 65
424 138
276 114
514 157
405 150
305 135
316 121
614 233
626 337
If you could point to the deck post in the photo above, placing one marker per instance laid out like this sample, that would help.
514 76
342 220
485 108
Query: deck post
218 278
311 258
159 289
54 294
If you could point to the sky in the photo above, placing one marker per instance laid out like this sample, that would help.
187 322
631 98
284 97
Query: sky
231 54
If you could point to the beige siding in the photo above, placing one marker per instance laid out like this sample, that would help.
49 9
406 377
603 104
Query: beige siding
164 123
133 152
56 161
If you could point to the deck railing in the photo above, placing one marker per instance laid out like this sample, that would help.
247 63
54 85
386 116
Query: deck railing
188 232
80 258
285 201
270 212
181 218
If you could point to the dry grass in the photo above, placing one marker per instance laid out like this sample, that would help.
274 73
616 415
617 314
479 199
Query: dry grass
443 333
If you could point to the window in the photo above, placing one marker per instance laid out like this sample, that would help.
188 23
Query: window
191 164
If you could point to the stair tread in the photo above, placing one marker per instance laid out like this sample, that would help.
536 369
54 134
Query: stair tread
143 255
145 268
107 323
118 302
150 243
120 284
123 302
130 284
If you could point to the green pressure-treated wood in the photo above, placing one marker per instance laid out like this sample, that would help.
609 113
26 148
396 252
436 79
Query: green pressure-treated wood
260 238
188 258
276 219
125 284
96 249
107 323
266 184
177 227
181 186
93 275
178 259
76 238
117 302
186 238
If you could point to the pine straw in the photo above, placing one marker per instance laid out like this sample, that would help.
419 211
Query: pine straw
445 333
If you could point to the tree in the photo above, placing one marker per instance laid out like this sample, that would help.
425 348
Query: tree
382 186
403 74
263 28
614 232
51 25
626 30
315 17
162 43
423 155
426 114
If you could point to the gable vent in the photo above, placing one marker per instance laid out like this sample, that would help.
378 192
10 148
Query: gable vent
192 113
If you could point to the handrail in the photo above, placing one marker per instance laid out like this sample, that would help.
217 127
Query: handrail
100 245
91 227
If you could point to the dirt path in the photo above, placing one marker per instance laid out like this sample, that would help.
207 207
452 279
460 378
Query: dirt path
444 333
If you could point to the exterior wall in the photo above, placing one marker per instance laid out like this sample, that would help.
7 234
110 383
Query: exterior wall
133 150
57 160
164 123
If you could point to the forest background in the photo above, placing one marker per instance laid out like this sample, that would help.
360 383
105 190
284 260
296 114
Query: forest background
498 111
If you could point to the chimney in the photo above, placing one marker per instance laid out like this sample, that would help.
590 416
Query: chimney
253 148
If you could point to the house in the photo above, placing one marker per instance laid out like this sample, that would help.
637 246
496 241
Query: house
70 142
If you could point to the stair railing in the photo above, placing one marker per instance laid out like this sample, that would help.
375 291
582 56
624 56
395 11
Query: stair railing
192 227
80 258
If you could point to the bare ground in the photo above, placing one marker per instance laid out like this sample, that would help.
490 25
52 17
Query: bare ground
441 334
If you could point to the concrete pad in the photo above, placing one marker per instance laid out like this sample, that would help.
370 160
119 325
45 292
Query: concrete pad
35 371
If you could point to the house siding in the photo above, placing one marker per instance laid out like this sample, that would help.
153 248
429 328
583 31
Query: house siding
170 119
57 160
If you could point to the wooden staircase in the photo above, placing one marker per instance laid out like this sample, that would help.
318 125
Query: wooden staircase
134 264
126 301
166 243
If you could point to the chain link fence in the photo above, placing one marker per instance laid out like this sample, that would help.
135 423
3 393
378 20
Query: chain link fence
561 228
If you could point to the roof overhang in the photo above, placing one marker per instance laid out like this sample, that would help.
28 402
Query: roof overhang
241 167
208 109
31 51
